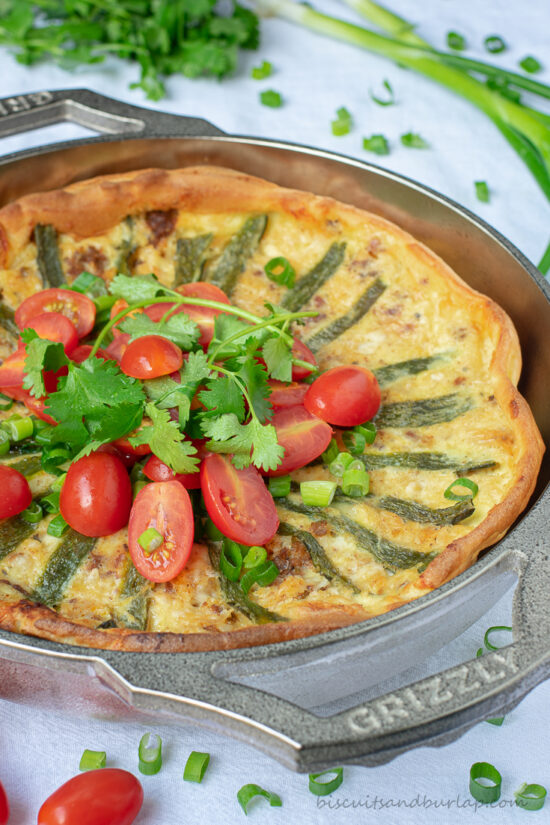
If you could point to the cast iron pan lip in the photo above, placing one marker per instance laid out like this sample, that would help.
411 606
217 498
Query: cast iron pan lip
491 557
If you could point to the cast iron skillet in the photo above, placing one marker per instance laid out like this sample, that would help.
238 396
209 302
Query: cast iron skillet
205 687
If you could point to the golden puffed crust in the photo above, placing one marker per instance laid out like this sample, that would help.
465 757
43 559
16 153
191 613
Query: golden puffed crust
90 208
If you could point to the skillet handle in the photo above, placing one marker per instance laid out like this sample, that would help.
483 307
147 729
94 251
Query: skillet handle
22 113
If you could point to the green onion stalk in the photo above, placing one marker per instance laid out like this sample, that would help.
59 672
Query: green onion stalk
526 129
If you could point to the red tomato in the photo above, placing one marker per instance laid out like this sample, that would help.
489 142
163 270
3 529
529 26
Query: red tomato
299 350
151 357
51 378
55 327
238 501
108 796
82 352
117 348
165 506
35 405
117 307
76 307
286 395
4 806
15 493
11 370
303 436
203 316
97 495
344 396
157 470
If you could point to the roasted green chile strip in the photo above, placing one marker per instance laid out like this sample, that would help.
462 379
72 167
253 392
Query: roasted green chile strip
386 552
402 369
234 257
126 248
47 256
61 567
424 412
28 466
235 596
13 531
190 258
313 280
320 560
135 592
337 327
414 511
424 461
7 319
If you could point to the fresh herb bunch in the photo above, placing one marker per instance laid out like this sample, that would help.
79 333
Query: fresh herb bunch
165 37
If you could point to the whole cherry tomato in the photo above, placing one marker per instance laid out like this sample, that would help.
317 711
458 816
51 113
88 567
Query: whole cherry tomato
55 327
303 436
344 396
150 357
15 493
76 307
96 496
4 806
107 796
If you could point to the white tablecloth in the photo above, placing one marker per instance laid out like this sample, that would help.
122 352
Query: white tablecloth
39 750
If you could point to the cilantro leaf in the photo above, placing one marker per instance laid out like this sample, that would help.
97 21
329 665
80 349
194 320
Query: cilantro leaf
254 377
227 325
167 441
252 443
41 354
135 288
167 393
179 329
222 396
278 358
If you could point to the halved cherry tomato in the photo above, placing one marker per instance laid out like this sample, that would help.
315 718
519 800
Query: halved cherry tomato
107 796
76 307
15 493
117 348
301 351
55 327
151 357
303 436
117 307
344 396
157 470
238 501
82 352
34 405
286 395
97 495
4 807
203 316
166 507
11 370
51 378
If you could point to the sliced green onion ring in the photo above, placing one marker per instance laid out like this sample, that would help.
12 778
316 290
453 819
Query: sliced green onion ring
254 557
196 766
494 44
52 460
482 191
150 754
331 452
58 483
456 41
340 464
342 124
271 98
4 442
461 482
281 271
18 428
391 97
33 514
150 540
248 792
494 629
530 64
212 531
279 486
354 442
318 493
322 787
355 482
6 403
530 797
367 430
485 793
231 560
57 526
377 143
50 503
263 574
92 760
262 71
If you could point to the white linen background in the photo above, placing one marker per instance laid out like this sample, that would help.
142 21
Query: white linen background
41 750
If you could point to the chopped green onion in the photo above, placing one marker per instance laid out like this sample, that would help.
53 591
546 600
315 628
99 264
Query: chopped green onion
196 766
50 503
150 540
263 575
461 482
88 283
331 452
325 786
6 403
231 560
342 124
92 760
150 754
262 71
494 629
530 797
33 514
57 526
280 271
530 64
45 437
138 486
355 483
279 487
17 427
254 557
339 465
412 140
494 44
391 99
377 144
212 531
354 442
456 41
38 425
103 306
317 493
271 98
367 430
58 483
248 792
4 442
482 191
485 793
501 85
52 459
